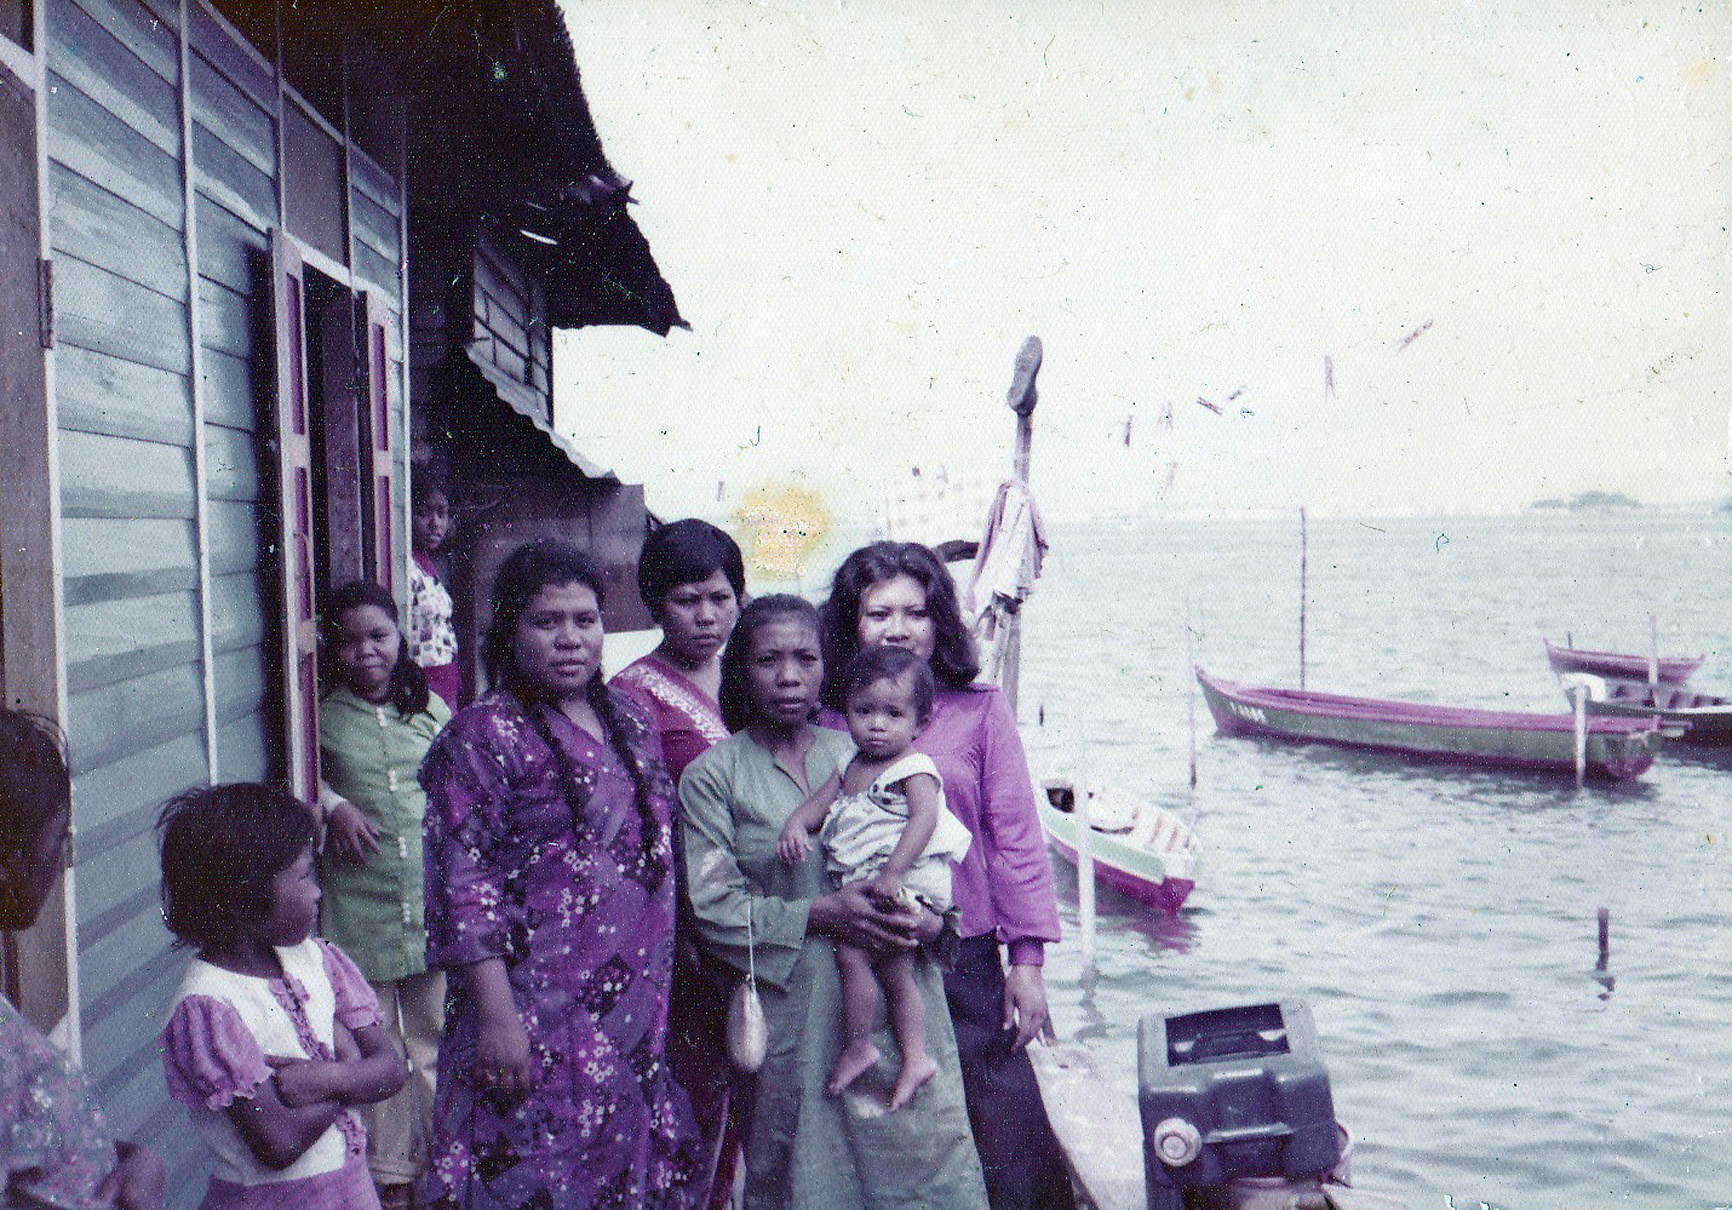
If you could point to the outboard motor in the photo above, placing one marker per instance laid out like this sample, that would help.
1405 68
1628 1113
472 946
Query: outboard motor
1235 1107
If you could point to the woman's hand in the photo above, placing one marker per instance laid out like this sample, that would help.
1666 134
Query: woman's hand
136 1182
343 1043
794 843
887 890
502 1061
852 915
351 833
1025 1008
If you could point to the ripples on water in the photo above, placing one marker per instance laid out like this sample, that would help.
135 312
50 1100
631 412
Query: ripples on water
1441 921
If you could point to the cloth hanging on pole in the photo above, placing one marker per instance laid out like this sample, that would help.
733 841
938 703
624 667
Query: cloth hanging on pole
1005 569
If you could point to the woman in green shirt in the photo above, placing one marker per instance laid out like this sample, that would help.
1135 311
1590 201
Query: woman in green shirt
376 722
753 910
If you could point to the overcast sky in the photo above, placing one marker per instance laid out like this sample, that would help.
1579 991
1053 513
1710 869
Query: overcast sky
1421 256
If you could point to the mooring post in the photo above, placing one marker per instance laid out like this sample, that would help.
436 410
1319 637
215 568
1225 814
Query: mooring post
1302 559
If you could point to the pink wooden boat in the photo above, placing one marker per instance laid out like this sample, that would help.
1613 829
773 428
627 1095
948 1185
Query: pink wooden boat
1615 747
1674 670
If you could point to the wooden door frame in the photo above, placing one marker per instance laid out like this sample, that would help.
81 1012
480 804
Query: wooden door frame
32 618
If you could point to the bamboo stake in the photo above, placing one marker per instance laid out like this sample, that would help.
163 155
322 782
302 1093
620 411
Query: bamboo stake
1302 561
1579 695
1653 660
1190 691
1085 874
1021 398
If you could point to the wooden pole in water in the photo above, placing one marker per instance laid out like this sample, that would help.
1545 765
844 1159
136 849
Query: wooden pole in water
1085 874
1579 695
1654 660
1302 560
1605 939
1190 691
1021 397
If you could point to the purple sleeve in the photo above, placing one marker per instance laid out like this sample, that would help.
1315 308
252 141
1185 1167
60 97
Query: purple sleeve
357 1005
467 788
1015 850
209 1056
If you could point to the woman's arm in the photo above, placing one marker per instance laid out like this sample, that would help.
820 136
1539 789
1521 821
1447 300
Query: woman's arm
1013 848
468 781
1017 871
724 903
502 1059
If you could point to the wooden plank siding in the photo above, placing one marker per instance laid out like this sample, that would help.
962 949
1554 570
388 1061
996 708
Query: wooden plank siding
128 498
235 162
164 187
509 321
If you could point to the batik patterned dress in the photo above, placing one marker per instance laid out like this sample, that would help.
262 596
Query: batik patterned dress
54 1145
581 911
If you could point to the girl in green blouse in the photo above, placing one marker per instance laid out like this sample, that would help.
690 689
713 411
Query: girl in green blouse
376 722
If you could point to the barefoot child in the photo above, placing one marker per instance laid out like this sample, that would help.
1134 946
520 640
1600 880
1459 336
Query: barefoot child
376 722
274 1034
890 832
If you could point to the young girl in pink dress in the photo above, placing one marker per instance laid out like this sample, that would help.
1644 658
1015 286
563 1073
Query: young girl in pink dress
274 1035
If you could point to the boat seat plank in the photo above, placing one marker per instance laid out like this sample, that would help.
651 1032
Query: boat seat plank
1097 1123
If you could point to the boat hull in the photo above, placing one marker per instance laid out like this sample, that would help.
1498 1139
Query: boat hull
1673 670
1616 747
1136 873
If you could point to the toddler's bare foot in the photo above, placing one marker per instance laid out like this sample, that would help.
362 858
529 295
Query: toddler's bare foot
855 1060
916 1070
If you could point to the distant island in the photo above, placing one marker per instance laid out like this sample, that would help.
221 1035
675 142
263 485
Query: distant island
1582 501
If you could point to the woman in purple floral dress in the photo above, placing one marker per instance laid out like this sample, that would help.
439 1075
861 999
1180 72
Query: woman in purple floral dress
550 902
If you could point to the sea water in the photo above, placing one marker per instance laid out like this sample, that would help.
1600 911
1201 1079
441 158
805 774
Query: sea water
1441 921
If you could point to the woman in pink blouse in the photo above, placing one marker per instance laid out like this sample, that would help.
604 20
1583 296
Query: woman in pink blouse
899 593
691 577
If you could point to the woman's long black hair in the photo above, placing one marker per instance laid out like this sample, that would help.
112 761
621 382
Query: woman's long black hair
527 571
408 685
734 698
955 663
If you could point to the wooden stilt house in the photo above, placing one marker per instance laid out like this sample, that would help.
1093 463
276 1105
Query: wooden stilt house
223 227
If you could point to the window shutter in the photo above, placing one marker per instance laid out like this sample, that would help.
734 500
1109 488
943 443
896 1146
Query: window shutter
295 463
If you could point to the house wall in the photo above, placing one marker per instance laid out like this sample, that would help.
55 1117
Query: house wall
164 149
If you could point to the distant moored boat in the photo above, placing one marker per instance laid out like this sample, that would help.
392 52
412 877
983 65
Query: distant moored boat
1673 670
1138 849
1615 747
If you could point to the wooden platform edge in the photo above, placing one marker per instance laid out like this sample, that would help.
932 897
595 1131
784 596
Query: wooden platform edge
1097 1123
